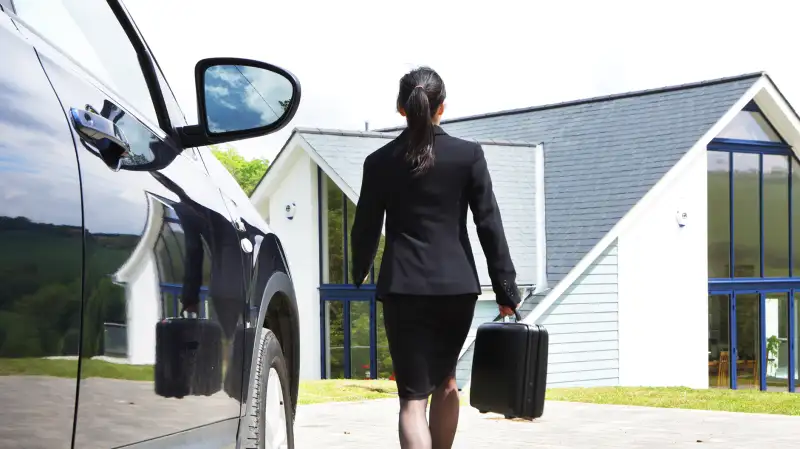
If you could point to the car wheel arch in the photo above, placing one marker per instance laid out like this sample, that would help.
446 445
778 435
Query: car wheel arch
278 312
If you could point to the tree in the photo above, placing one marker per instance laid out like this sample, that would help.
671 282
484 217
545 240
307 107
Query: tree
247 173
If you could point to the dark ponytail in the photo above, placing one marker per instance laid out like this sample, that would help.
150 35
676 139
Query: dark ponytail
421 93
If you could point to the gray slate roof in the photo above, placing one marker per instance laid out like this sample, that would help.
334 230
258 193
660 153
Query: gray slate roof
509 164
603 154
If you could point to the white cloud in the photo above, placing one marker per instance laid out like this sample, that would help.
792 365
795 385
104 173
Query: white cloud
350 54
217 91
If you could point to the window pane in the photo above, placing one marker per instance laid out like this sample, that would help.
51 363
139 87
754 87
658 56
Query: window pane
719 231
795 218
351 216
747 341
385 370
88 32
334 312
796 338
777 332
776 215
335 233
748 125
359 340
746 223
718 341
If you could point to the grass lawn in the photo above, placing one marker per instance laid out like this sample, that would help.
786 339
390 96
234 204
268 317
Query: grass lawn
746 401
319 391
69 368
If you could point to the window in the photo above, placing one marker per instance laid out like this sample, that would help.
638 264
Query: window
750 125
89 32
775 210
746 212
719 231
356 345
339 209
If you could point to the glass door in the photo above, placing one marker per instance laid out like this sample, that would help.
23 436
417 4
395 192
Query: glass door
776 340
719 341
747 341
753 339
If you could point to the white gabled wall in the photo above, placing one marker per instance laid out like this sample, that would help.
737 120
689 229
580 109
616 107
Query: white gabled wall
663 287
582 324
300 239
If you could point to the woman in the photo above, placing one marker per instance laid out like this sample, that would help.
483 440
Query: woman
423 181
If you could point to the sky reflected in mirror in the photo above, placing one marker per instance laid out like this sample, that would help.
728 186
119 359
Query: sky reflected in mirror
240 97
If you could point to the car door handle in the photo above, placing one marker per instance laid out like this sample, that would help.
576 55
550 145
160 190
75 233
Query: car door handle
97 129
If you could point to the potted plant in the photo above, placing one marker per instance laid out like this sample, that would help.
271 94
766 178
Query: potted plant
773 344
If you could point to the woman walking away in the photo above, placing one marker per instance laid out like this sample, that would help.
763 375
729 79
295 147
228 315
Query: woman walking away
423 181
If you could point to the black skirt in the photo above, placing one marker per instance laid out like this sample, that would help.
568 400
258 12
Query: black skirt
426 334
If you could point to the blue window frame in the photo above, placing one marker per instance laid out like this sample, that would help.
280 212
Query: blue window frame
170 300
759 279
350 302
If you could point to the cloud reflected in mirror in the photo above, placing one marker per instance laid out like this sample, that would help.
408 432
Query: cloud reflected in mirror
240 98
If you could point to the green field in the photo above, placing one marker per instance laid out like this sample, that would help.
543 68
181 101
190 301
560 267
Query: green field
745 401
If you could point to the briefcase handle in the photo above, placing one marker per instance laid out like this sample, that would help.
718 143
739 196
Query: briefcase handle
517 317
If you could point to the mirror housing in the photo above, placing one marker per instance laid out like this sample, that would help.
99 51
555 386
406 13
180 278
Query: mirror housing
240 99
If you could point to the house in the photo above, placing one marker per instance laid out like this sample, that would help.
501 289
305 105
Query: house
655 234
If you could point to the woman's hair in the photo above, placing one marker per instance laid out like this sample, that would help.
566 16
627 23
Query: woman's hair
421 93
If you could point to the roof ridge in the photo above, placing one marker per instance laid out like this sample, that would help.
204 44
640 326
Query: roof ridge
387 135
601 98
345 132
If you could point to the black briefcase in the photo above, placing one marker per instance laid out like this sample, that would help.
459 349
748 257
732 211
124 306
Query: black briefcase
239 367
509 369
188 357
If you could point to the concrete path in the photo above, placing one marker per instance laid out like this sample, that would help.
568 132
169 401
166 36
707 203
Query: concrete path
564 426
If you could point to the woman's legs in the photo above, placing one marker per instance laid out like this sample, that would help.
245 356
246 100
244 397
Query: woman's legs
413 427
444 414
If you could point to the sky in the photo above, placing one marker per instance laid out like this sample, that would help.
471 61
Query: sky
350 54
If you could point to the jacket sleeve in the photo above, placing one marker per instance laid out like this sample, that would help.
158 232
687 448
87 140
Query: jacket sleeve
366 232
486 214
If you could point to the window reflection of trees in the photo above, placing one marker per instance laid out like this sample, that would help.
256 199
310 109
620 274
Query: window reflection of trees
340 211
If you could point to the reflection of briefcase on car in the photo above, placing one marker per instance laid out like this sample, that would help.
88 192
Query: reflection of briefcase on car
190 348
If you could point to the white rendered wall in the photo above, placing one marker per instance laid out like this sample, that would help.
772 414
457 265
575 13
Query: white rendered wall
663 287
143 297
300 240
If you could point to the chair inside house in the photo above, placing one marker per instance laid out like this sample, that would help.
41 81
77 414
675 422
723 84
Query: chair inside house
723 368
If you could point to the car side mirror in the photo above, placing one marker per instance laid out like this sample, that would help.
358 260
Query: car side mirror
240 99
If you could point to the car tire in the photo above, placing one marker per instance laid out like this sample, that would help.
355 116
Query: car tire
270 422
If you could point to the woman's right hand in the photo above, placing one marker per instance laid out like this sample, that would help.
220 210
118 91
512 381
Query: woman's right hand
505 310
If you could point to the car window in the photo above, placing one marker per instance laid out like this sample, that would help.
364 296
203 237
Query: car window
89 32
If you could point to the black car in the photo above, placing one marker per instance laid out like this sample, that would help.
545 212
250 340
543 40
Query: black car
143 301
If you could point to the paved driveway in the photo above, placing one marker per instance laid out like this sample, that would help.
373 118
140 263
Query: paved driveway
564 426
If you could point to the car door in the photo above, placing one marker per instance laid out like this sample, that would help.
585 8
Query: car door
158 242
40 253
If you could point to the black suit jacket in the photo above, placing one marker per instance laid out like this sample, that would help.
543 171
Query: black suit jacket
427 249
